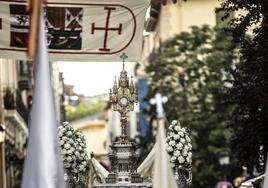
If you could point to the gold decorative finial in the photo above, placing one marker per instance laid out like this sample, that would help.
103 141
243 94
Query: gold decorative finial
124 57
123 96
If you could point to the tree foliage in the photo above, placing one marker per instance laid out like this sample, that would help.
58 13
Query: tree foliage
84 108
192 70
250 85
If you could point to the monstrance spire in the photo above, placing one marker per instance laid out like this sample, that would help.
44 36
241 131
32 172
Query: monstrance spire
123 97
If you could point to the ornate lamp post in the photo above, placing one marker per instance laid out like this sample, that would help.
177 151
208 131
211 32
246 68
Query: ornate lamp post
224 160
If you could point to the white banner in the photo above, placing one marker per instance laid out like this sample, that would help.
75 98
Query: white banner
77 30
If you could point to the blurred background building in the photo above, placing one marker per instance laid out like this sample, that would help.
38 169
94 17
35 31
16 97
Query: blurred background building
164 22
16 89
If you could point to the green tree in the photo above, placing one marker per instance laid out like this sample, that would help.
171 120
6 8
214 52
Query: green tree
191 69
250 85
84 108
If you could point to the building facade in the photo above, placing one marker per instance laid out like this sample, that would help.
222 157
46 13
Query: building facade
95 130
16 93
16 83
164 22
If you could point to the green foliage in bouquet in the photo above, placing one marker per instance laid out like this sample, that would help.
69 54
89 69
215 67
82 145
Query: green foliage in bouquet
73 150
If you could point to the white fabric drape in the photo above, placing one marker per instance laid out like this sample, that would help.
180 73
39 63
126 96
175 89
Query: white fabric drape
162 174
97 173
43 167
146 167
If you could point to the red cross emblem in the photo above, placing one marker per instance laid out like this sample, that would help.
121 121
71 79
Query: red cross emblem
106 29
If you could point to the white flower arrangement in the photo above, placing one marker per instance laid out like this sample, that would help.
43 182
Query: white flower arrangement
73 150
178 145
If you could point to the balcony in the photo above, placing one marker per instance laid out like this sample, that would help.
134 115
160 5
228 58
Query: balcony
9 96
13 101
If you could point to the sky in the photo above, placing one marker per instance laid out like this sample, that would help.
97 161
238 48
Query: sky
91 78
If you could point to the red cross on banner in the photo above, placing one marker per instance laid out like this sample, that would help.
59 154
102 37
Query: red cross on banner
106 29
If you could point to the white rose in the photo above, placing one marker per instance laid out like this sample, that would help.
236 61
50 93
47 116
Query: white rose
69 133
80 167
177 128
174 122
74 165
65 123
177 153
184 154
176 136
171 134
67 146
172 143
69 151
183 130
179 146
188 139
189 159
62 142
186 148
173 159
69 158
63 152
86 157
169 148
83 154
77 153
67 165
60 133
171 127
190 154
182 140
82 144
74 157
190 146
181 133
181 160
